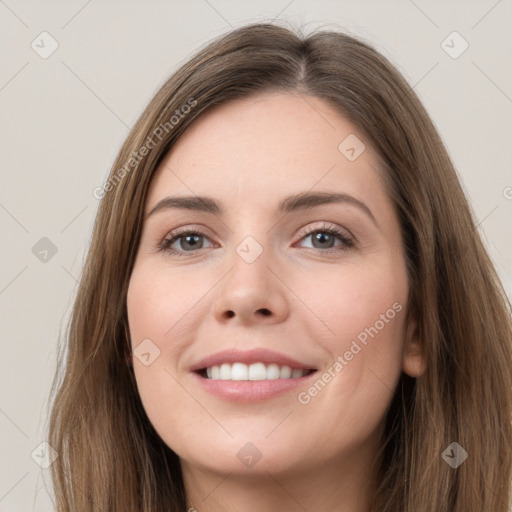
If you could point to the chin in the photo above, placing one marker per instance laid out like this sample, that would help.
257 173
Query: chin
257 457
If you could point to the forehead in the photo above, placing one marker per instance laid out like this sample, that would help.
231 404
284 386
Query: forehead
253 151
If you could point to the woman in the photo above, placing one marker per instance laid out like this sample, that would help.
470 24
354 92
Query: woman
217 362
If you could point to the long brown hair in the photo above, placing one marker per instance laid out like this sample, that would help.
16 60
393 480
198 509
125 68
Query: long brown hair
111 458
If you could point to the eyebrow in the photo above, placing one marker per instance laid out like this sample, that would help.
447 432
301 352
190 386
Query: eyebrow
301 201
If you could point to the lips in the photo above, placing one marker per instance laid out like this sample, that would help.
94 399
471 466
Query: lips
241 390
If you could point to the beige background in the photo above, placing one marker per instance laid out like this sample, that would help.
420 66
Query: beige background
65 116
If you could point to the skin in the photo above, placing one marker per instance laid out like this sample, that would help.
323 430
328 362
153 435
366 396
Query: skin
249 154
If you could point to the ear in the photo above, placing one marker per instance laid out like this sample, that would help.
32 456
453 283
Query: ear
414 362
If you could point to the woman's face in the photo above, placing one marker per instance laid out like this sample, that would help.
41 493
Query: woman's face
226 324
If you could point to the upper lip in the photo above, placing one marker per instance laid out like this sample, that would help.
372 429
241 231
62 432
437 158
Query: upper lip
257 355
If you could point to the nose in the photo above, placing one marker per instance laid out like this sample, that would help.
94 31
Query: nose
252 292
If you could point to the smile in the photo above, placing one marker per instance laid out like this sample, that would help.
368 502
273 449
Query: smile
251 375
252 372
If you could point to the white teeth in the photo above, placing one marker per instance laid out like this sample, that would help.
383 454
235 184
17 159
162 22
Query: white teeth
273 372
256 371
239 371
296 373
286 372
225 371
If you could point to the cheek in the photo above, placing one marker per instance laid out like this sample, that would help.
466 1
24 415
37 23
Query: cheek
159 305
162 316
364 310
358 314
355 302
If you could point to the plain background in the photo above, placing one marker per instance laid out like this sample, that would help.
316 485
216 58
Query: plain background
64 118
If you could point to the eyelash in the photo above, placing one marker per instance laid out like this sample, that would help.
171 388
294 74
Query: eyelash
348 243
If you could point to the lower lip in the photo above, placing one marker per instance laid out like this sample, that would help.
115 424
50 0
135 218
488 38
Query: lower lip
250 391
